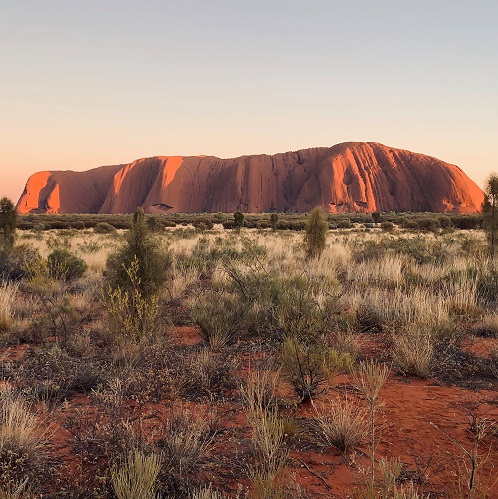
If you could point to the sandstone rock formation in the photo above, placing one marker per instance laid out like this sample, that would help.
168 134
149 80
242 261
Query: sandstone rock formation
348 177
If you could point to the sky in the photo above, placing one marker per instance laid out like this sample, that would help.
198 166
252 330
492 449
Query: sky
99 82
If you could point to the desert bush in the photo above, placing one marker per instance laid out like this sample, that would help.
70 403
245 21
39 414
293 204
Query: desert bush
131 314
8 293
141 250
18 490
219 316
258 392
104 228
64 265
342 424
309 366
270 453
387 226
23 437
136 477
414 352
15 263
205 374
315 233
185 441
344 224
53 375
8 222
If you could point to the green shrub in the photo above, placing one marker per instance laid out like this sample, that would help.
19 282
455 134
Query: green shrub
315 233
64 265
152 264
387 226
104 228
344 224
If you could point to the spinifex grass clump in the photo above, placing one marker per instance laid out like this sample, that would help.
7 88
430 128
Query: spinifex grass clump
136 477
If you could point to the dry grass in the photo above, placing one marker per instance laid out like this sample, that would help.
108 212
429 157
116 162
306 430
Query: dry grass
342 424
8 293
136 477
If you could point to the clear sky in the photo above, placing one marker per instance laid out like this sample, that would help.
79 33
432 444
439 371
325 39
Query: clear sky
96 82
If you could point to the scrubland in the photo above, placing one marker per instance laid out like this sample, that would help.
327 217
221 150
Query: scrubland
253 371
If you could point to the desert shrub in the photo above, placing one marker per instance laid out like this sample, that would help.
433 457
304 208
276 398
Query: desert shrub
142 250
219 316
342 424
270 453
65 266
428 224
8 222
315 233
309 366
414 352
205 374
274 221
104 228
238 220
8 293
185 441
15 263
23 437
344 224
136 477
53 375
131 315
387 226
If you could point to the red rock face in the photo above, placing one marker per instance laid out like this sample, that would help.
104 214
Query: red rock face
349 177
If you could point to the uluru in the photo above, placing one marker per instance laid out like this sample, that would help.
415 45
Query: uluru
347 177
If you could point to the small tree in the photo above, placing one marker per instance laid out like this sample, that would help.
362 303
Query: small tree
8 221
376 217
238 219
490 212
273 221
315 233
143 251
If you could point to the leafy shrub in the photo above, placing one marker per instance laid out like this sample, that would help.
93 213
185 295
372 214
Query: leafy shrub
64 265
219 316
309 366
104 228
387 226
315 233
344 224
15 264
152 264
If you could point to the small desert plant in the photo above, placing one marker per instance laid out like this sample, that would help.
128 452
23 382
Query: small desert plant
238 220
369 379
206 374
104 228
315 233
186 440
258 393
15 490
414 352
274 221
8 294
8 222
136 477
152 264
219 316
63 265
131 314
22 436
269 451
206 493
309 366
342 424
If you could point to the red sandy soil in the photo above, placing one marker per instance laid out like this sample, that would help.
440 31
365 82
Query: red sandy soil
411 419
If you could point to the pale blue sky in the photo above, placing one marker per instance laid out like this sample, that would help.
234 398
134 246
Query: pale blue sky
90 83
